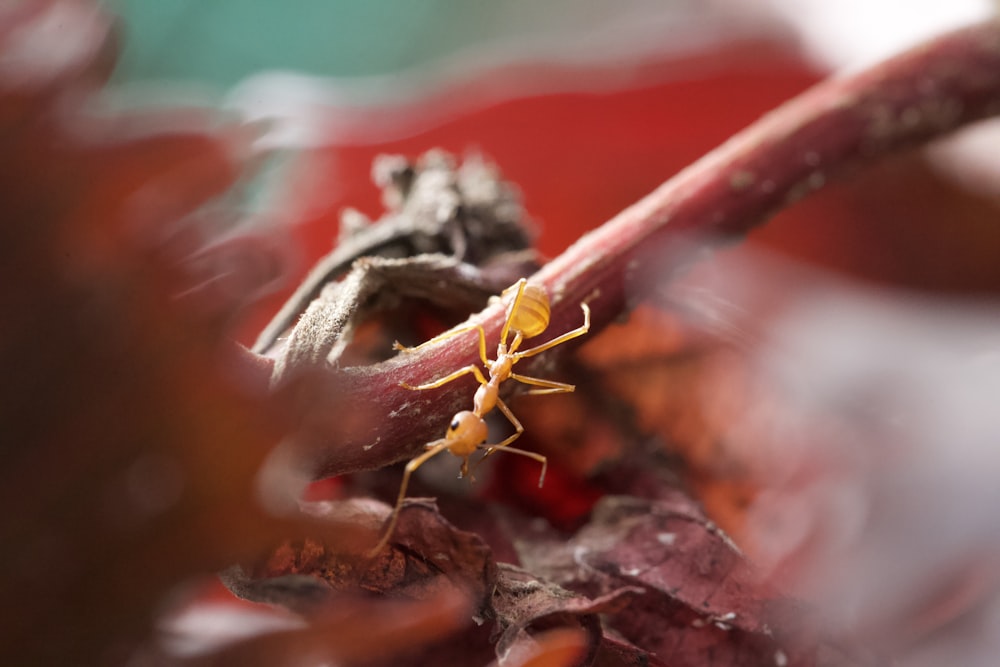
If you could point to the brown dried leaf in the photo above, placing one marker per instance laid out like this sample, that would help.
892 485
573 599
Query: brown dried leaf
615 651
464 218
428 559
524 604
700 596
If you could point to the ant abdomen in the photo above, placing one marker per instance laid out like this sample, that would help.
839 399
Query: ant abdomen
530 314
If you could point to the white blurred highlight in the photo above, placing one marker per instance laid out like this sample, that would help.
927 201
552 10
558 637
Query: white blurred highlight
858 33
42 47
881 465
969 158
853 34
204 627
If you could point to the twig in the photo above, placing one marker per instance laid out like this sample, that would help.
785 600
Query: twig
360 418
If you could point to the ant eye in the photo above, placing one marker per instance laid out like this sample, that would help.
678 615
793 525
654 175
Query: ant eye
454 425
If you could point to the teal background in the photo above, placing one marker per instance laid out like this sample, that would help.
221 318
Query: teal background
220 42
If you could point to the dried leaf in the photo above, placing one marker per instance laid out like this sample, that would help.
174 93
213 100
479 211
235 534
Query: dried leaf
374 284
427 559
700 596
463 216
524 604
427 556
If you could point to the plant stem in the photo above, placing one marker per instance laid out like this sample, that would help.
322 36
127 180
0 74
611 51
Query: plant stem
360 418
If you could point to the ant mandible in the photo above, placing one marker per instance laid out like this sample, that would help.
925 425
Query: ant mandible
527 316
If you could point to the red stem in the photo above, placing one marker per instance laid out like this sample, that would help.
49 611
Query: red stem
911 99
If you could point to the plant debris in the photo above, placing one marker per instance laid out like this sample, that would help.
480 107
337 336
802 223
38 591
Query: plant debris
452 236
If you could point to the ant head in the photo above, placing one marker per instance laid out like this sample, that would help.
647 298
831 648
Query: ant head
466 432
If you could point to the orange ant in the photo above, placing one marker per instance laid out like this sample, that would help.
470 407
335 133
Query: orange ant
527 316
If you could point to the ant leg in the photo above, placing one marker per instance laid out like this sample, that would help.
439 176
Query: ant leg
447 378
520 285
559 340
518 429
504 446
513 450
449 334
547 386
433 449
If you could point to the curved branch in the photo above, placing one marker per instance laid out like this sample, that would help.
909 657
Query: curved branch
360 418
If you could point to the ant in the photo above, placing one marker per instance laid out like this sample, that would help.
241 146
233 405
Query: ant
527 317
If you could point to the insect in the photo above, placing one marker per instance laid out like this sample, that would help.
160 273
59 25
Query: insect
527 316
